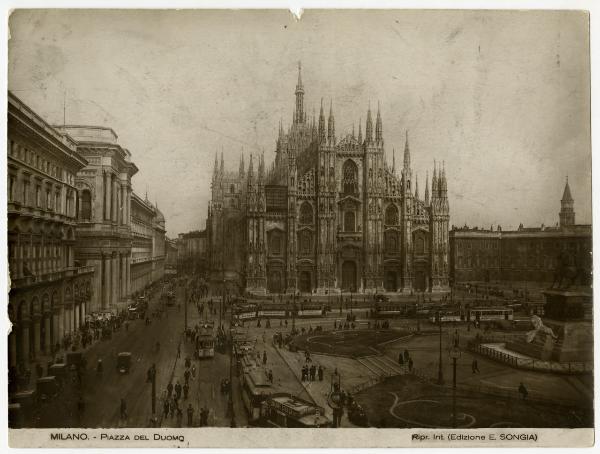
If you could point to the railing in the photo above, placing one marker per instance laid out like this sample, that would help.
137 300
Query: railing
573 367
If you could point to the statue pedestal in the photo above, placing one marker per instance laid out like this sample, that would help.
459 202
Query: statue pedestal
569 315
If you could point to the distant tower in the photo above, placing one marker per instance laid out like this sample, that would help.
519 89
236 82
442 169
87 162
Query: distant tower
566 215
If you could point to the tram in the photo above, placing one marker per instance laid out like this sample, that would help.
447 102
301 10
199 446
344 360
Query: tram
286 410
255 389
205 341
387 310
480 314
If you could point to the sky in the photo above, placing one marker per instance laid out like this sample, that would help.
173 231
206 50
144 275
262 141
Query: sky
502 98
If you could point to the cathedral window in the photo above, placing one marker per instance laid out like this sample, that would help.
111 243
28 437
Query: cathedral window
420 246
232 189
275 243
391 243
349 221
306 213
350 179
391 215
305 243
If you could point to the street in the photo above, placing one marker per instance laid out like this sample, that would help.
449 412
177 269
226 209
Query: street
102 393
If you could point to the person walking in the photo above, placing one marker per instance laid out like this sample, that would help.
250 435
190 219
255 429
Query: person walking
178 390
270 375
264 358
320 372
123 409
410 364
186 376
169 389
190 415
523 391
186 390
313 371
193 371
166 407
474 367
204 416
401 359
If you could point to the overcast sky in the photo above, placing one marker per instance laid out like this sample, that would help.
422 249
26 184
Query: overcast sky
501 97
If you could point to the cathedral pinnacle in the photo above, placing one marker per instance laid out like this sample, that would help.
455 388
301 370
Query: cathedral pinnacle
369 127
299 116
321 124
427 189
406 153
360 131
378 126
331 124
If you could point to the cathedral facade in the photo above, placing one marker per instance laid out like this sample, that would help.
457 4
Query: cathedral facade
328 215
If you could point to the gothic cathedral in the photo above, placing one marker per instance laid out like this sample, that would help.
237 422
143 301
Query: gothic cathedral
328 215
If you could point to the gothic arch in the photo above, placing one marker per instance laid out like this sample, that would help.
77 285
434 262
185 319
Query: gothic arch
391 215
306 213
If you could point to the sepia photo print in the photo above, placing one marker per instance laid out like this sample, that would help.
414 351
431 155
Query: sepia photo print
238 219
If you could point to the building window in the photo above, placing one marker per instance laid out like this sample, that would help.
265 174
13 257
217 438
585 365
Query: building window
391 243
25 197
350 178
349 221
275 243
11 188
391 215
305 243
86 205
306 213
420 246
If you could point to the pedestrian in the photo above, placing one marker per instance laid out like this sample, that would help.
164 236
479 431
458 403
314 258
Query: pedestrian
474 367
190 415
204 416
178 390
193 371
201 414
123 409
410 364
186 376
179 417
173 406
401 359
523 391
264 359
186 390
270 375
304 372
313 371
406 355
320 373
166 406
169 389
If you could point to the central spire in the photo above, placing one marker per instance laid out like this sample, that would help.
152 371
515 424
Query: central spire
299 114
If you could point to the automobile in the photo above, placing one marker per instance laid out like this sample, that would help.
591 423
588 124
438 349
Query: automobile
124 362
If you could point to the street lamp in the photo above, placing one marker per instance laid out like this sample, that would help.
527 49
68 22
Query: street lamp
454 355
440 372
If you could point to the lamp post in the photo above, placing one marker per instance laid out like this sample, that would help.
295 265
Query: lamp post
454 355
230 410
440 372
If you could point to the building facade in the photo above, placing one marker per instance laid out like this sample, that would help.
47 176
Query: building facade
170 256
192 252
148 247
50 290
104 236
526 254
329 214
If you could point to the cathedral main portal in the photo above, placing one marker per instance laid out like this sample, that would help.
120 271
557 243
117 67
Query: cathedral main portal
349 276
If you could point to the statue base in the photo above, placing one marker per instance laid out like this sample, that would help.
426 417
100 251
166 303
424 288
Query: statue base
569 315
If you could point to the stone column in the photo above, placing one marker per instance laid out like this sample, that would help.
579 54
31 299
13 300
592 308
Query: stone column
128 199
55 327
106 278
76 316
124 276
12 348
128 271
61 324
123 205
114 199
25 340
106 196
47 337
36 335
115 279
